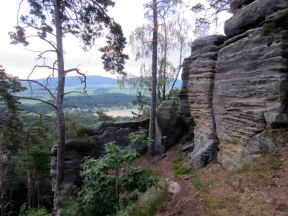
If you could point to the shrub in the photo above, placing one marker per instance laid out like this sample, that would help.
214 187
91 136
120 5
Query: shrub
25 210
139 141
111 183
148 203
68 201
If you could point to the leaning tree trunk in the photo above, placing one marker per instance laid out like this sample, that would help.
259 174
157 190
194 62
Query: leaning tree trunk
152 128
59 98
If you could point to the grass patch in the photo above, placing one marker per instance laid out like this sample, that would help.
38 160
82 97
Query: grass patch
203 187
148 203
178 168
244 168
220 205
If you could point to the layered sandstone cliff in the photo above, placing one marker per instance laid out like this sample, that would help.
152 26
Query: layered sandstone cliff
239 94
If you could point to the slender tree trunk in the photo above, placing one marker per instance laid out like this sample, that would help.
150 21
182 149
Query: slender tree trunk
2 189
29 189
165 61
59 98
178 69
152 128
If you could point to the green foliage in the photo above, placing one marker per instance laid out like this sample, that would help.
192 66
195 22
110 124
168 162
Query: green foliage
26 211
111 183
139 141
269 28
10 125
175 93
148 203
178 168
199 185
74 125
142 105
68 201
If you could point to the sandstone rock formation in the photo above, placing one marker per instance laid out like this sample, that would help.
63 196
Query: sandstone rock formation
117 132
251 83
201 85
170 126
247 97
252 15
183 95
75 151
93 145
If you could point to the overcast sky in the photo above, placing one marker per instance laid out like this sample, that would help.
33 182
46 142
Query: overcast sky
17 60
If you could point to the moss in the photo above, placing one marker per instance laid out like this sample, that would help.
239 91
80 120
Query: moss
178 168
269 28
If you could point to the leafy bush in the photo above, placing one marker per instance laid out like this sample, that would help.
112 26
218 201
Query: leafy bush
68 201
139 141
111 183
26 211
148 202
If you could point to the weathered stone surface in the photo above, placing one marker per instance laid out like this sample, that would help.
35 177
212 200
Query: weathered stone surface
184 102
170 127
236 5
250 93
117 132
253 15
93 145
201 85
75 151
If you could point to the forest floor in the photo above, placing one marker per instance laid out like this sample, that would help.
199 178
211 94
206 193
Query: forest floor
257 189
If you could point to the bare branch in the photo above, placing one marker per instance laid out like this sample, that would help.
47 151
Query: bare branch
40 84
78 72
41 66
37 99
70 92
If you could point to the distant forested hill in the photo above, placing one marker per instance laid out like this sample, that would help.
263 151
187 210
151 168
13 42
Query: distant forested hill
85 102
95 85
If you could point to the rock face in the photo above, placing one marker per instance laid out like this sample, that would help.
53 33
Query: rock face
170 126
75 151
93 145
250 94
201 85
239 93
183 95
117 132
252 15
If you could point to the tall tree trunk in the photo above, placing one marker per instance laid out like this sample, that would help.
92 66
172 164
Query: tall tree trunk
178 68
59 98
152 128
29 189
165 61
2 189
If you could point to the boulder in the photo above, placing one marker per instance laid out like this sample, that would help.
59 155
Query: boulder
250 93
170 127
200 94
236 5
117 132
252 16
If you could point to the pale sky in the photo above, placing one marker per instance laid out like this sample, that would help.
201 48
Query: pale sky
17 60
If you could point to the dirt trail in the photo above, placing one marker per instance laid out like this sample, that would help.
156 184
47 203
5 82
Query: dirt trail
184 203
